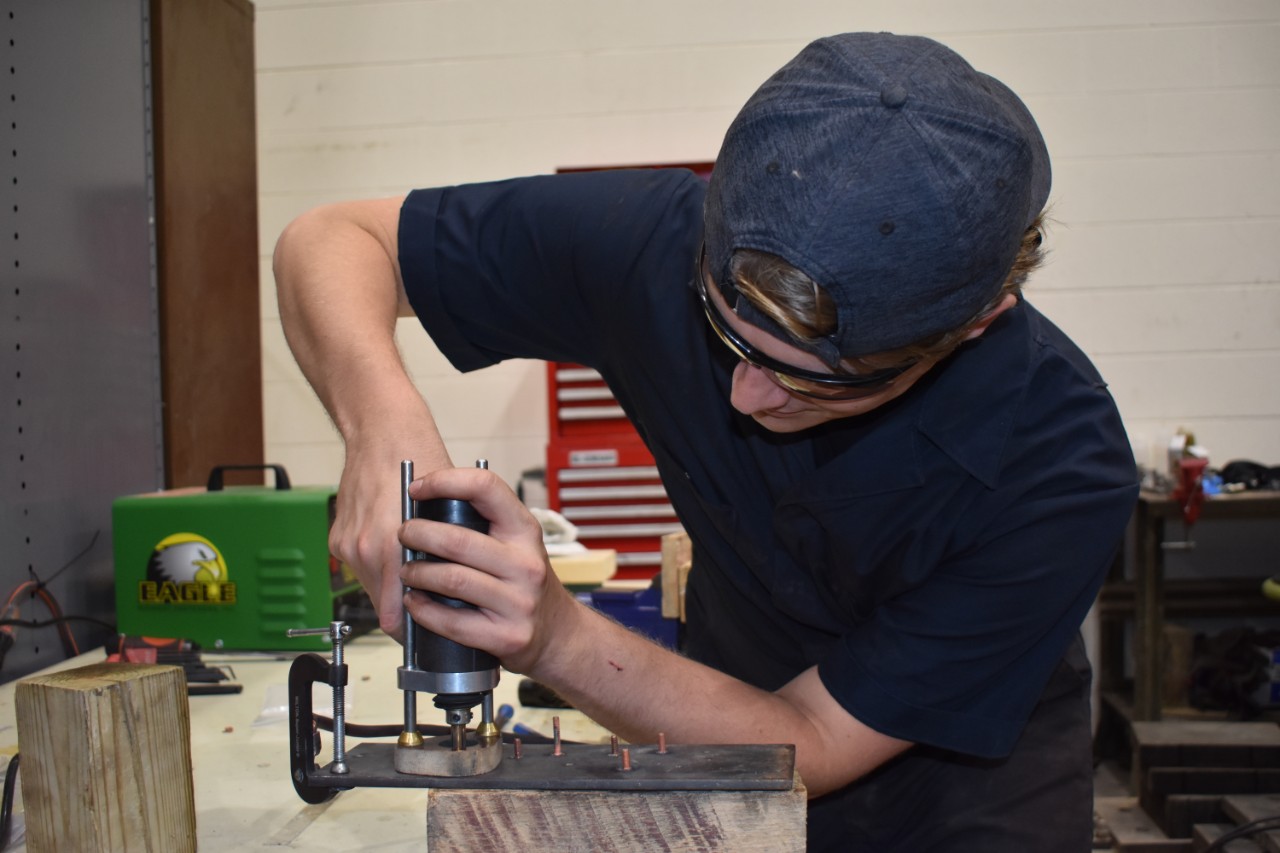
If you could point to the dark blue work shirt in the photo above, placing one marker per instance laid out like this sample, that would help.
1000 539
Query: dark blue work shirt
933 557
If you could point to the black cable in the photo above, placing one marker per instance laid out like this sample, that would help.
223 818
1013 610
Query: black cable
1253 827
70 647
23 623
367 730
6 806
85 550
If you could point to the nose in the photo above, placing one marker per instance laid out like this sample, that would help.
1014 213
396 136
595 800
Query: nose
754 390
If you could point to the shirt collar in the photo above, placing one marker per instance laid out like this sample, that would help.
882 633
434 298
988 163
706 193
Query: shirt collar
970 410
966 407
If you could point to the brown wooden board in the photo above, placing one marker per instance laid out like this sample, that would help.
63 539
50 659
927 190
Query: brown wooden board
207 236
461 821
106 759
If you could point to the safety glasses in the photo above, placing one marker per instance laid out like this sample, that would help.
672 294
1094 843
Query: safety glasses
806 383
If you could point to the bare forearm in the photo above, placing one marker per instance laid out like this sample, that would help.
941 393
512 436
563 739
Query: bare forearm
636 688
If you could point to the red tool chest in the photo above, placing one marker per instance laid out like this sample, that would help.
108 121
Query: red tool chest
600 476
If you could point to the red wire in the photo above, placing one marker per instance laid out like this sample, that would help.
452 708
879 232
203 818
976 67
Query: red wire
55 610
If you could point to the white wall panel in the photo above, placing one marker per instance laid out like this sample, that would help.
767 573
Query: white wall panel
309 463
403 158
1163 119
1154 188
301 34
292 414
1241 319
1125 124
1190 386
509 397
1226 438
1146 254
511 88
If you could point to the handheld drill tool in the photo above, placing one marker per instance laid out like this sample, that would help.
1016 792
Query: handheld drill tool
460 677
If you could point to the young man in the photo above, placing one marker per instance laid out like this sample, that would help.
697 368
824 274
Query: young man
903 484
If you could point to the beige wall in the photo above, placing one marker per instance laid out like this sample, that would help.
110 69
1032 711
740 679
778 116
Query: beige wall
1162 116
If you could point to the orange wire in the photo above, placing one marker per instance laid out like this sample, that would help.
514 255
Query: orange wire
55 610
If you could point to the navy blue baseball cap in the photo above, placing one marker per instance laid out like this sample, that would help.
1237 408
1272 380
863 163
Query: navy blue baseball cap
890 172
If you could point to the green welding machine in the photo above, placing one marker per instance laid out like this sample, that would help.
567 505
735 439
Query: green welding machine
233 567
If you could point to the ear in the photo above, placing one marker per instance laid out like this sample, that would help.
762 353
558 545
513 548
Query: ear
976 330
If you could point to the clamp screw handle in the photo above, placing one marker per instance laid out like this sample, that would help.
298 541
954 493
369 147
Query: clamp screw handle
337 631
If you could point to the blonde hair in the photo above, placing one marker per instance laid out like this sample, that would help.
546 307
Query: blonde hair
797 304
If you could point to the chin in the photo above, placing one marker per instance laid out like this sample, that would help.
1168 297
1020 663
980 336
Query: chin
790 422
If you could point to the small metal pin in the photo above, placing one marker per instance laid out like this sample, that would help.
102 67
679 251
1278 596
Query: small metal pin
662 743
517 749
613 745
555 732
626 759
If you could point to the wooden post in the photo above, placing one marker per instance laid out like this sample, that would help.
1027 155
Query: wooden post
464 820
106 759
677 560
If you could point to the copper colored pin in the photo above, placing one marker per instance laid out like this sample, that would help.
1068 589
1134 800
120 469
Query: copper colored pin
662 743
516 749
613 745
626 759
555 731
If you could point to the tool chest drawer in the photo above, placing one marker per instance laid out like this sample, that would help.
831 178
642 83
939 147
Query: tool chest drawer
581 404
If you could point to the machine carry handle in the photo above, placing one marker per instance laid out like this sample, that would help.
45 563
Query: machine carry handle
215 476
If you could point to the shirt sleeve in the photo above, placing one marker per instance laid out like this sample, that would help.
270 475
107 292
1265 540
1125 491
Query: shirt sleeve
994 578
544 267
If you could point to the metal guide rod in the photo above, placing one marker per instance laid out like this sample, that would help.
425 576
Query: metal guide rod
410 696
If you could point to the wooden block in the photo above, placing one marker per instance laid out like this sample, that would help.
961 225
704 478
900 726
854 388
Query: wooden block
1133 830
464 820
1184 733
1245 809
106 759
1164 782
1183 811
677 560
586 568
1192 743
1204 834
